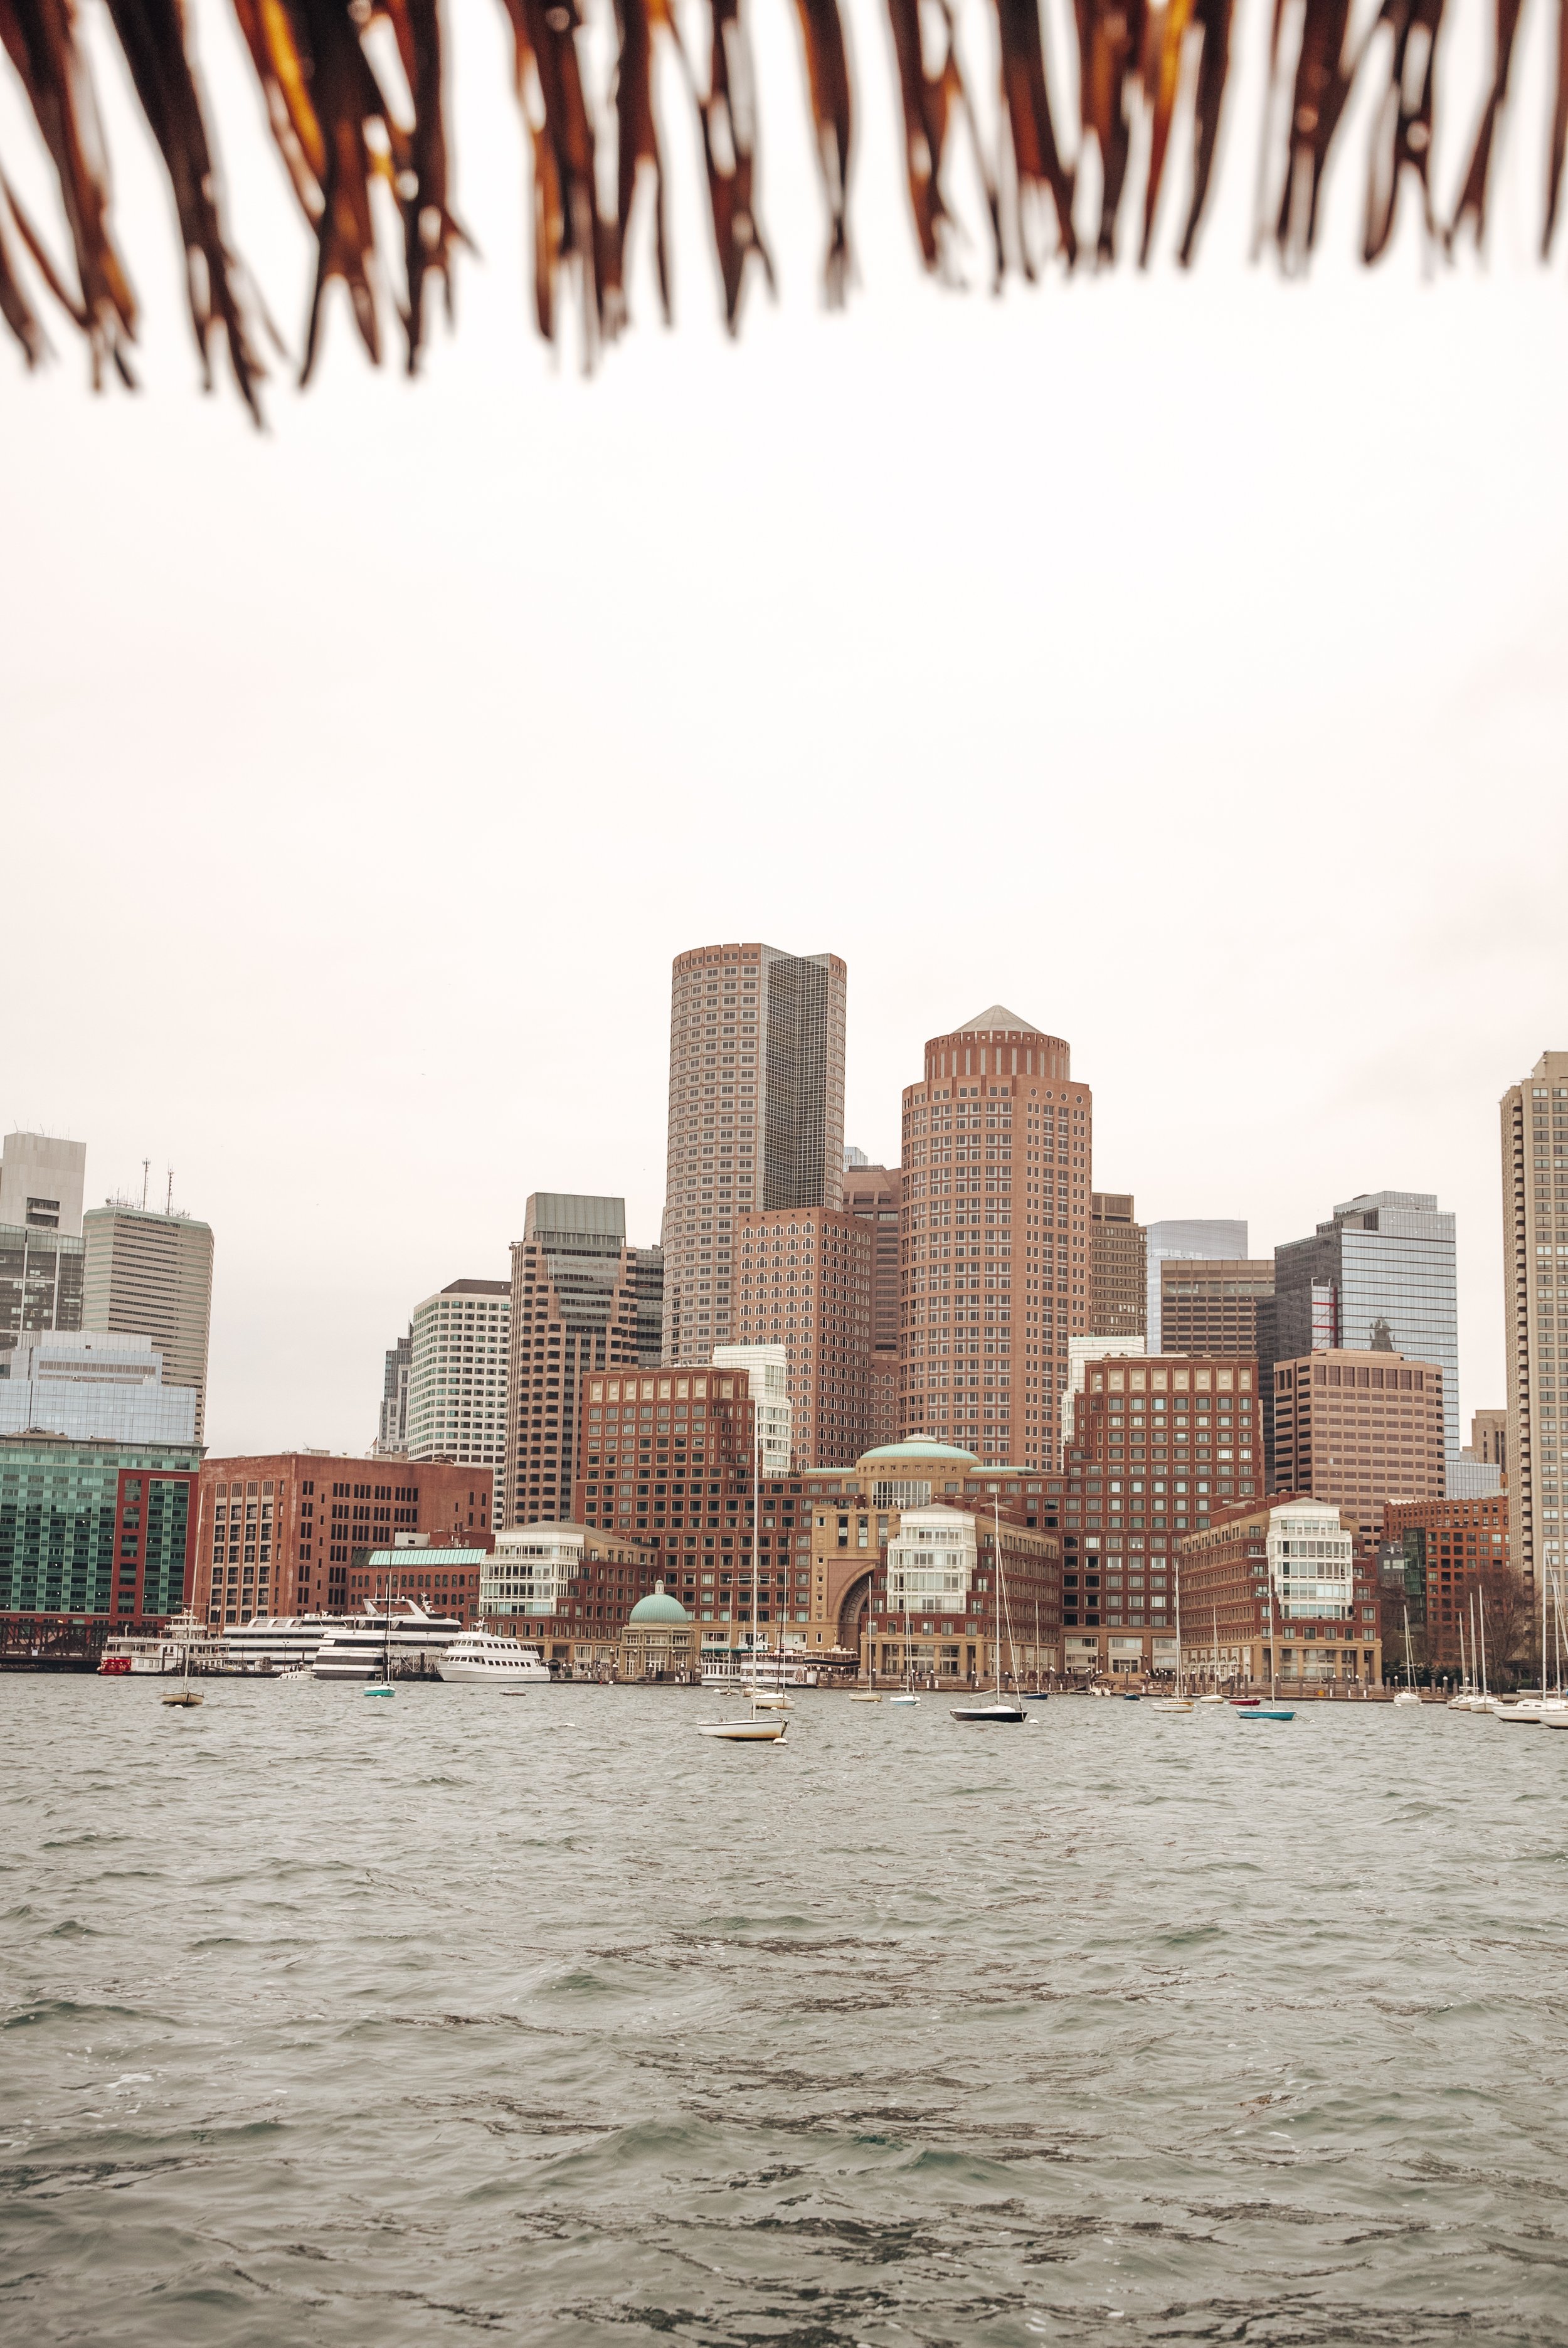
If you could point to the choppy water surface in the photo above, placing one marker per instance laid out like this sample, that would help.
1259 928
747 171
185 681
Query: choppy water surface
335 2021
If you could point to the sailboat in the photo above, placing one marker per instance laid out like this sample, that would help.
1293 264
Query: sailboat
1179 1702
999 1712
1406 1695
1213 1695
185 1696
1273 1709
907 1693
762 1726
383 1686
1036 1695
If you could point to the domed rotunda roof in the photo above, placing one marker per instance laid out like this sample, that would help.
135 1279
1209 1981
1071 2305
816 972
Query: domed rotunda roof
922 1446
659 1607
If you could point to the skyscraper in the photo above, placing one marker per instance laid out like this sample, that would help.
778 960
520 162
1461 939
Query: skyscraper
459 1348
1118 1294
41 1250
1379 1278
1198 1240
997 1164
1535 1119
147 1274
757 1117
575 1301
873 1192
1211 1306
392 1429
803 1280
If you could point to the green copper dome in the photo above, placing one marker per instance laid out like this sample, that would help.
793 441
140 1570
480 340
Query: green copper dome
921 1447
659 1608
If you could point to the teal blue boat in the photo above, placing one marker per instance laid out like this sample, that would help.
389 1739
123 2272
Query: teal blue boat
1267 1712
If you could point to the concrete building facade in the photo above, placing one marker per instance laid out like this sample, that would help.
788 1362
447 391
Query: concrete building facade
1183 1240
803 1281
392 1426
755 1117
459 1372
1119 1272
1488 1437
998 1168
874 1193
1533 1118
766 1371
577 1297
147 1274
1212 1306
1357 1430
42 1179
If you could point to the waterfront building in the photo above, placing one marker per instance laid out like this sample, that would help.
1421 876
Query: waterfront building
1119 1272
1080 1352
998 1167
1211 1306
1161 1445
1533 1116
392 1429
1291 1573
1449 1549
98 1388
1183 1240
445 1577
568 1589
289 1532
149 1274
938 1612
460 1354
94 1534
766 1370
1360 1429
803 1280
42 1179
578 1304
755 1117
1377 1277
874 1193
660 1640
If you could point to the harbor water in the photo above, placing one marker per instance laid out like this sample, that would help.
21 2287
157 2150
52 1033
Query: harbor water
539 2017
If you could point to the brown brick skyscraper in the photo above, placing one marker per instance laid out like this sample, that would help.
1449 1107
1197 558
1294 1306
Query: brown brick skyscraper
997 1165
803 1280
873 1192
757 1117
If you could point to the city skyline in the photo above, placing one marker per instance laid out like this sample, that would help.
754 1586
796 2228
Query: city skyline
341 1414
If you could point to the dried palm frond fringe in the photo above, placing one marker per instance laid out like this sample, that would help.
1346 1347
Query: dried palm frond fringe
324 68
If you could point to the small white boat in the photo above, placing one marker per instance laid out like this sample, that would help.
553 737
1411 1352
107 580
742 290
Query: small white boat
1556 1719
988 1715
764 1730
1407 1697
861 1695
1170 1703
480 1658
903 1699
772 1703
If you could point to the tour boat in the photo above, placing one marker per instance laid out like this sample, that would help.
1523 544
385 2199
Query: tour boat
999 1712
390 1640
481 1658
164 1651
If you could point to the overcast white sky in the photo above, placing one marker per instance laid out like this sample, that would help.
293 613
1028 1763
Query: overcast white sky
1178 662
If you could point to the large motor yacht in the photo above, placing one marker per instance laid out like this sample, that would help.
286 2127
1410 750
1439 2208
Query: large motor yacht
483 1659
407 1644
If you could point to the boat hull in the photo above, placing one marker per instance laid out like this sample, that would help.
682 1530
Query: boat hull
744 1731
1264 1712
989 1716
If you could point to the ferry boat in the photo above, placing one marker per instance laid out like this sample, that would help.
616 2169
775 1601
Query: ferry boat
407 1644
482 1658
278 1642
164 1651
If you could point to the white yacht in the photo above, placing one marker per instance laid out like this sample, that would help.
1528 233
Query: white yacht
271 1643
481 1657
406 1643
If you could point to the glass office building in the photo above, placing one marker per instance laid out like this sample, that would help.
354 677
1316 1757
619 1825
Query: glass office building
1380 1277
93 1528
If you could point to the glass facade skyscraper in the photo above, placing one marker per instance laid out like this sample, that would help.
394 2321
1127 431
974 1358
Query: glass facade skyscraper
1379 1278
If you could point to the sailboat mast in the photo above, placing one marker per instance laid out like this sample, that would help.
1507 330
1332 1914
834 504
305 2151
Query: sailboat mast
997 1524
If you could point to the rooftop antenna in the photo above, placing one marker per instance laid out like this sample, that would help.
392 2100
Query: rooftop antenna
146 1168
168 1200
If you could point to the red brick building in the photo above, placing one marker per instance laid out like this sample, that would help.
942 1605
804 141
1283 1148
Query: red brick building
874 1193
279 1533
1452 1549
1361 1429
803 1280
